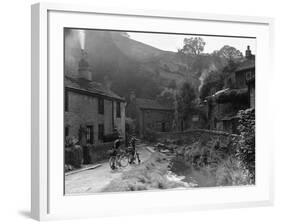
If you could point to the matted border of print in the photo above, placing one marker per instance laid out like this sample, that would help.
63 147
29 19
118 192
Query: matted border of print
48 199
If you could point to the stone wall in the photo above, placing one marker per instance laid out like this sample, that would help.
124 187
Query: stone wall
99 153
83 110
76 155
194 135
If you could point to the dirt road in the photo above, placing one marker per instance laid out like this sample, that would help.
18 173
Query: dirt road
93 181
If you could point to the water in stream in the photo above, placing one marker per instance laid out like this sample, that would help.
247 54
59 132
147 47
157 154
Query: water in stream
194 177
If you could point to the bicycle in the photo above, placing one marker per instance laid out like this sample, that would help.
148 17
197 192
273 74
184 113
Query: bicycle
118 160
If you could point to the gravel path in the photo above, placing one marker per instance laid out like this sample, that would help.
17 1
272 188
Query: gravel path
93 181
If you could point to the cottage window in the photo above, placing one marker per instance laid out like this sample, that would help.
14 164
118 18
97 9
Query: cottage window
66 131
90 134
163 127
101 106
101 132
118 109
248 75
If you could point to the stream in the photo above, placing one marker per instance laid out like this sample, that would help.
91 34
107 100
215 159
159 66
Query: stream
181 171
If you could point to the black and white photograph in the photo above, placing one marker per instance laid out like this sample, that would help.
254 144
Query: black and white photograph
157 111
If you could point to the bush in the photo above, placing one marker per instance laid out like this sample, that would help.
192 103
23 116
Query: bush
73 153
232 172
74 156
246 145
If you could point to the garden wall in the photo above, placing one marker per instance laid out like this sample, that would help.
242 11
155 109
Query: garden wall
99 152
194 135
76 156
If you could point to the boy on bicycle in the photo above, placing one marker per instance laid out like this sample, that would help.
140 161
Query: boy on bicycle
135 154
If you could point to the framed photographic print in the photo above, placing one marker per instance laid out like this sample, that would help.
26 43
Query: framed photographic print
151 111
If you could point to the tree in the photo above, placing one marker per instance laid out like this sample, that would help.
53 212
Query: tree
229 53
215 80
185 100
193 45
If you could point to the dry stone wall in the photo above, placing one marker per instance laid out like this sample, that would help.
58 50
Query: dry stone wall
195 135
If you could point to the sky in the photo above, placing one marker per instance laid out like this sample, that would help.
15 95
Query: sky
172 42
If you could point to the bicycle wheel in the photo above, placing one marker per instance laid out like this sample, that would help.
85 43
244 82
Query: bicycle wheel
112 163
130 158
123 160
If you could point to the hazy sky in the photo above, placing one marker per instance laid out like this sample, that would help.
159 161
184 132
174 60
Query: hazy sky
171 42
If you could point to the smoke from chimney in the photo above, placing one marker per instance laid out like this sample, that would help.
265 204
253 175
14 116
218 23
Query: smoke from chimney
202 77
81 36
204 74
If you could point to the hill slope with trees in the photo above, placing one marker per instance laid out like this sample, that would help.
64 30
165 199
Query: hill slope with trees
125 64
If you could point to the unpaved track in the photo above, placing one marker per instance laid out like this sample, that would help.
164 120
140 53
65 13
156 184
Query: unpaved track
93 181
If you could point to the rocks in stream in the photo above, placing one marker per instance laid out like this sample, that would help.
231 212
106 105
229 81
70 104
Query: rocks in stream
199 153
167 149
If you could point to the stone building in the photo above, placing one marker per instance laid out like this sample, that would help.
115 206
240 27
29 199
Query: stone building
198 118
223 107
239 94
92 110
148 114
250 80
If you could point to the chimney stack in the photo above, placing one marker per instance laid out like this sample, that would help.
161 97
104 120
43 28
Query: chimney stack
132 96
248 53
84 70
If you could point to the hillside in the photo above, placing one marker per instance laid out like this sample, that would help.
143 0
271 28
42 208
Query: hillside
128 64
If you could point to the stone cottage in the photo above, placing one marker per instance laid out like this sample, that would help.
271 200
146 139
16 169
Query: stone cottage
149 114
92 110
239 94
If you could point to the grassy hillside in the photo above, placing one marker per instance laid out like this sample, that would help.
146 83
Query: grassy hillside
128 64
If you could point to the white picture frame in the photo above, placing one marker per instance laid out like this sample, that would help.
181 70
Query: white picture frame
48 201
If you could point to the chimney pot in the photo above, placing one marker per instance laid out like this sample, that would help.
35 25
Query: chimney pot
248 53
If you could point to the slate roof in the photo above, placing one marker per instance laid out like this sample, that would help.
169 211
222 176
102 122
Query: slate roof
151 104
229 95
229 117
248 64
90 87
